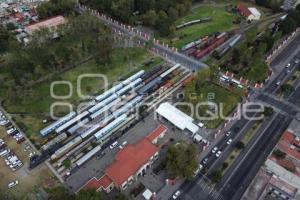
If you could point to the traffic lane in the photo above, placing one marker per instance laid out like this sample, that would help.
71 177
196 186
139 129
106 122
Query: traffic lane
285 74
268 139
289 50
262 156
283 107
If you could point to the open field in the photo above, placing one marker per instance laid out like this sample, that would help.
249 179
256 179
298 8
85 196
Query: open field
221 21
34 104
31 183
225 99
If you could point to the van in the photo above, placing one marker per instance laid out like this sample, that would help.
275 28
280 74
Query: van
113 145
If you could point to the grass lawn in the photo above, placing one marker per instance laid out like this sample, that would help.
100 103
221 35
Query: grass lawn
33 105
210 91
221 21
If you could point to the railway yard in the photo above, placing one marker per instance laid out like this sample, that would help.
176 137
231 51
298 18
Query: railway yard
77 137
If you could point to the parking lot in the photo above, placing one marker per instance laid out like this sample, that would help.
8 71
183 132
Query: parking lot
16 180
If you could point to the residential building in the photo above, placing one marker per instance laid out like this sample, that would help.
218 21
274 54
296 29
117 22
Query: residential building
130 163
249 13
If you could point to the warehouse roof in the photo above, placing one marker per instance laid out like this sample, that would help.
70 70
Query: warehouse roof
157 132
177 117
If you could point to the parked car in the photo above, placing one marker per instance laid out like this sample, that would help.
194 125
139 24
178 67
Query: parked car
113 145
228 133
229 141
123 145
204 161
288 65
218 154
13 184
214 150
176 194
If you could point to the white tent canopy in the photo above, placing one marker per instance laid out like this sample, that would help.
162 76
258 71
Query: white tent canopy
177 117
147 194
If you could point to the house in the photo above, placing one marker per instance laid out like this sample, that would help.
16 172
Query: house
249 13
130 163
48 23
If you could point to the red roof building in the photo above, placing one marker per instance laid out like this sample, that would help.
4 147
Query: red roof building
130 162
244 10
48 23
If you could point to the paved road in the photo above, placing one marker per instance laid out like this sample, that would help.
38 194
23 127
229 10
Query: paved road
248 163
191 190
168 53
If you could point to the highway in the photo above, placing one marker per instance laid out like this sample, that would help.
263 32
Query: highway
164 51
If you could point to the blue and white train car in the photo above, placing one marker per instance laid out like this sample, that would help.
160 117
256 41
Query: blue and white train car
47 130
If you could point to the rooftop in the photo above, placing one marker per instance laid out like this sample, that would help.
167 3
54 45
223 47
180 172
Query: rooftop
48 23
130 159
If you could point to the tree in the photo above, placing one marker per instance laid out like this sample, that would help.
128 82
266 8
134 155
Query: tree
216 176
240 145
59 193
287 89
288 25
278 154
268 111
55 7
88 195
251 34
4 39
182 160
150 18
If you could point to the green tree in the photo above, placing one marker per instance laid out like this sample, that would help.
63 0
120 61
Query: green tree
278 154
182 160
287 89
216 176
150 18
268 111
239 145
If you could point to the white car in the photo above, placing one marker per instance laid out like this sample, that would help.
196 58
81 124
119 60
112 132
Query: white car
229 141
278 83
214 150
113 145
288 65
218 154
13 184
228 133
123 145
176 194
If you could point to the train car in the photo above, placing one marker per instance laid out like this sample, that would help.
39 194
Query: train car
87 132
78 125
130 86
112 125
163 75
45 131
127 107
56 140
133 77
58 153
105 108
69 123
103 103
88 156
150 87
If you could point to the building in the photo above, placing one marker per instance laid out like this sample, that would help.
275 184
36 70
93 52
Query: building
177 117
249 13
48 23
279 178
130 163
